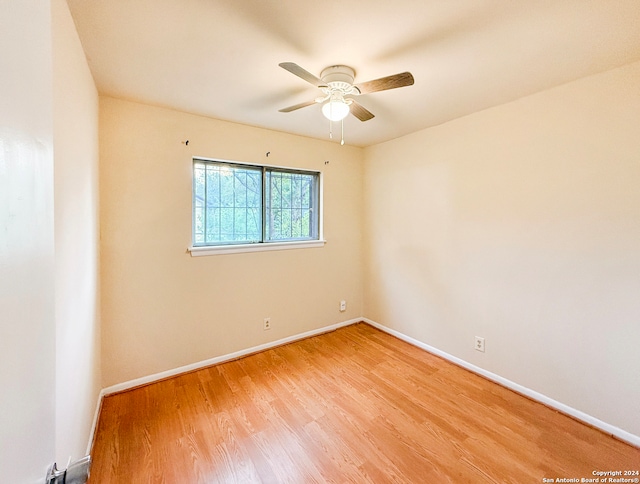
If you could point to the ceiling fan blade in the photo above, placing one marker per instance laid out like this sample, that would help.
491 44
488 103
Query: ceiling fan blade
302 74
360 111
297 106
384 83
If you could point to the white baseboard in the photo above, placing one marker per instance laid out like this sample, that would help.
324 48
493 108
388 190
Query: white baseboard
94 424
539 397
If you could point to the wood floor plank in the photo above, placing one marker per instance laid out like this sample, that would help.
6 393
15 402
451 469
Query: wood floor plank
354 405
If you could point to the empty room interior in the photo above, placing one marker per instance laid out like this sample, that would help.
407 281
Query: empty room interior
305 241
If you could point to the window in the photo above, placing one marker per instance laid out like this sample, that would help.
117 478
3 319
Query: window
239 204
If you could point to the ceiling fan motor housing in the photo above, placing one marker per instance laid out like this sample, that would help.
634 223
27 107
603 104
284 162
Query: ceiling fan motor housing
339 78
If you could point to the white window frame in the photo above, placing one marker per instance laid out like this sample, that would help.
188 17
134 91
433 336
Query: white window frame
198 251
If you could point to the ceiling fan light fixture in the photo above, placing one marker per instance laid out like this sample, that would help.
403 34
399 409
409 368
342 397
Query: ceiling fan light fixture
336 109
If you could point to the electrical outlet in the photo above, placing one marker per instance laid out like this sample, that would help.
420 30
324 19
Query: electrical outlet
343 306
266 324
479 344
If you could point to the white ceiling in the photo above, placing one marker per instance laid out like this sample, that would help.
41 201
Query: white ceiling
219 58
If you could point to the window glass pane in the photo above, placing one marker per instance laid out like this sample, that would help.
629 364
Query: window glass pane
226 204
289 212
198 203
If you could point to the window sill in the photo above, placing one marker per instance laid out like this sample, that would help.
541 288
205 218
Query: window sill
261 247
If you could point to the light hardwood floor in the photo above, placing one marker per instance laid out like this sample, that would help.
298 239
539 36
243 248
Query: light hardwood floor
353 405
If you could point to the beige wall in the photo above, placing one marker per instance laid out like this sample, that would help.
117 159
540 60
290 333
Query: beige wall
27 324
75 130
520 224
162 308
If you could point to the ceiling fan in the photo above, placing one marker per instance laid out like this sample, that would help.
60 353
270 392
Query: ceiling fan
336 84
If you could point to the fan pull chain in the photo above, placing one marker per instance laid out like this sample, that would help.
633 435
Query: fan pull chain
341 128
